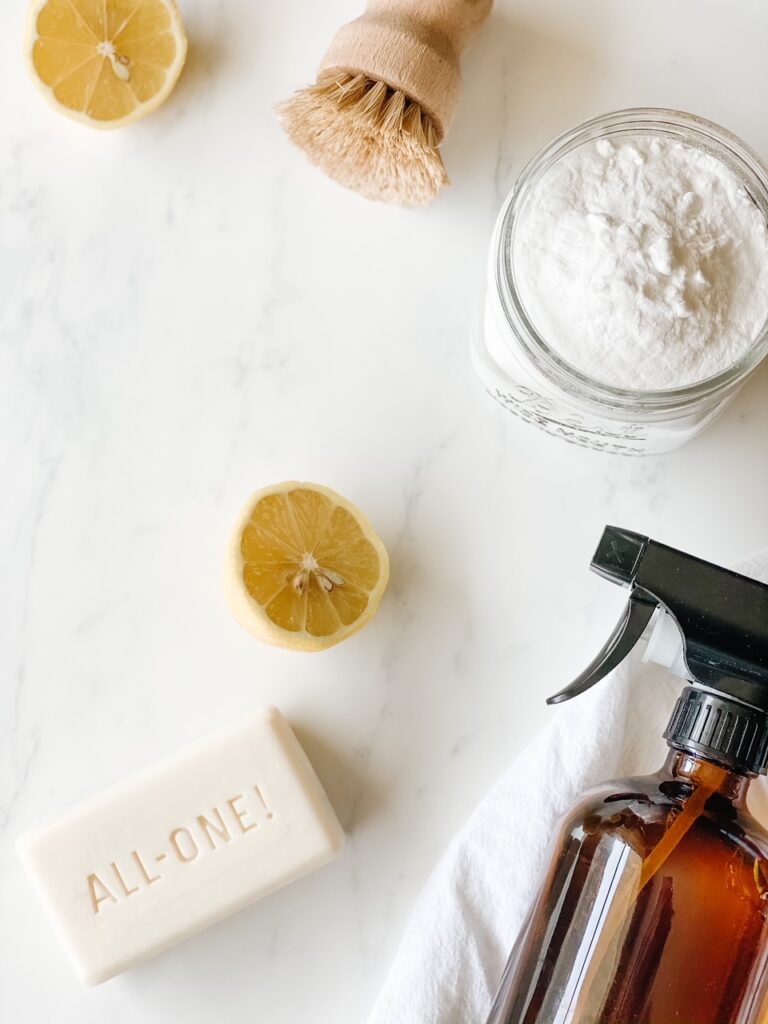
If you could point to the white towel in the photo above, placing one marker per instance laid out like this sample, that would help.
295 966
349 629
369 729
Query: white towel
465 922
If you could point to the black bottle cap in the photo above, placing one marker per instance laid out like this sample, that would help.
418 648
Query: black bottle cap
721 730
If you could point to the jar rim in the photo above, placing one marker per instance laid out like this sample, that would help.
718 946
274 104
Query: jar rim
689 129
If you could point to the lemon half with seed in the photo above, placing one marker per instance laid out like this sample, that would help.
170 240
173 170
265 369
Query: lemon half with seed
106 62
306 569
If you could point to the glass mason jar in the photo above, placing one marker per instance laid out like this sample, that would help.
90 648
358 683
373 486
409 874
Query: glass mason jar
528 377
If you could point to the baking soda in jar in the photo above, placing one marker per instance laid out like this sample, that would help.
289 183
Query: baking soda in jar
627 295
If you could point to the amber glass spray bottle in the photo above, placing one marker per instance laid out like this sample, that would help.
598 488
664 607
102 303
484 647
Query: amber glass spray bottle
653 908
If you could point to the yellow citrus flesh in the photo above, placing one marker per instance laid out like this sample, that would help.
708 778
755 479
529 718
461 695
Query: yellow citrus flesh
106 62
306 570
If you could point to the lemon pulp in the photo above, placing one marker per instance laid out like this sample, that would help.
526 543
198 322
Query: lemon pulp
311 566
107 61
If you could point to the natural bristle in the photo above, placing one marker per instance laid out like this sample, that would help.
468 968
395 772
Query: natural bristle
368 137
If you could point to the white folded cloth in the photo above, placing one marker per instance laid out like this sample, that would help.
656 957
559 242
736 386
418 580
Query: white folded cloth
465 922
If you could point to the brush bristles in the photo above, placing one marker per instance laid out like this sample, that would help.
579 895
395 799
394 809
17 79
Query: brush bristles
368 137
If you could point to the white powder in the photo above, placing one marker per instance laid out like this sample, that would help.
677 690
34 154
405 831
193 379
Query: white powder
643 263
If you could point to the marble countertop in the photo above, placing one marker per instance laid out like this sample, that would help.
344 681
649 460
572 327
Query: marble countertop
189 311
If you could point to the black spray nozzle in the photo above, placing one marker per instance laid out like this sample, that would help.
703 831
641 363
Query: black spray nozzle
722 616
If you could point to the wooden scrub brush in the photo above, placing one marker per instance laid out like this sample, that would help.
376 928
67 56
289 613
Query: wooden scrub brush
385 97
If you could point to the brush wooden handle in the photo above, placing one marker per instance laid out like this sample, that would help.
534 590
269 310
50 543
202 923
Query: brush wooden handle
412 45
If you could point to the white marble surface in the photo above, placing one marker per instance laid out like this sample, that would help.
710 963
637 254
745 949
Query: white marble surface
189 310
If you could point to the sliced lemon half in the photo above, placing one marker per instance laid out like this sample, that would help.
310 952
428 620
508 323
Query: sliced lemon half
306 569
106 62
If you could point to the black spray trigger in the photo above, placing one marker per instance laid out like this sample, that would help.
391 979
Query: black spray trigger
712 630
637 615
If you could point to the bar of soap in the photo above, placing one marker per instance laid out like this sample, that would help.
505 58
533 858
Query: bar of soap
182 844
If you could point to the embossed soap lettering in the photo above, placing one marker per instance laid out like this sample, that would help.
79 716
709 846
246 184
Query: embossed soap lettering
124 888
208 832
239 814
98 892
183 844
211 830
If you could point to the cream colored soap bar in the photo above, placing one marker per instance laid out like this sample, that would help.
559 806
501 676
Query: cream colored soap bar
181 845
